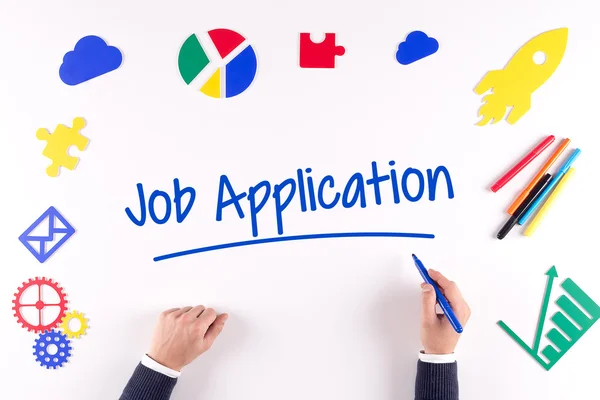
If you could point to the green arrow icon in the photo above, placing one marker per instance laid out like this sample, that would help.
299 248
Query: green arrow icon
562 340
552 274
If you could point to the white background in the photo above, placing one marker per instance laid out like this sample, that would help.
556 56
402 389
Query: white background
314 319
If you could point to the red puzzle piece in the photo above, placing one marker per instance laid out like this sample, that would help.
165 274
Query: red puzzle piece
319 55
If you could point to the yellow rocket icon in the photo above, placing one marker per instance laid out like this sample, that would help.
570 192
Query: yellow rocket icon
513 85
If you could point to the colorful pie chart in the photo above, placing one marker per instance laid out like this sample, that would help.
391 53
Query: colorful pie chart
231 65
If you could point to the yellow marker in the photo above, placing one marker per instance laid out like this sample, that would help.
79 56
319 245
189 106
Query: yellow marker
513 85
546 207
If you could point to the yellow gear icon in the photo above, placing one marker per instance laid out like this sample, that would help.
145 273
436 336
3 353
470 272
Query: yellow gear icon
64 325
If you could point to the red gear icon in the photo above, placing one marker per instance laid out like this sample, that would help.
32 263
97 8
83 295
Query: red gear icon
40 304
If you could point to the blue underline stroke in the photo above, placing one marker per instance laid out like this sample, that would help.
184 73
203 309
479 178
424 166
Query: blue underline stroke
292 238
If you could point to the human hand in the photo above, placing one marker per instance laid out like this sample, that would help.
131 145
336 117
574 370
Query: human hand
183 334
437 334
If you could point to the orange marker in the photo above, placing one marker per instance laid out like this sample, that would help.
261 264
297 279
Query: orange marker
563 145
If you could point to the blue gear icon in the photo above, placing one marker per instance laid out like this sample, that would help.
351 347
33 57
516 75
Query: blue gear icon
44 349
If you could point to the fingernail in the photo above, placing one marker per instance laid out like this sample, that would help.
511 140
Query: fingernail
427 288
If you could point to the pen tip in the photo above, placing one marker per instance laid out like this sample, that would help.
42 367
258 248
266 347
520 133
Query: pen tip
414 257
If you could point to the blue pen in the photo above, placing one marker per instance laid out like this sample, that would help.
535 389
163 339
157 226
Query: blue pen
439 296
563 170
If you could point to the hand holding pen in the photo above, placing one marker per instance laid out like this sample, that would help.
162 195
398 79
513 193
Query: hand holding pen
437 333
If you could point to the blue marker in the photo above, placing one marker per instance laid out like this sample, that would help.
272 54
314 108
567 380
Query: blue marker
439 296
551 185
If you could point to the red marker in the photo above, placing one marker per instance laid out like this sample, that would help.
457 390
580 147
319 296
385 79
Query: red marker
537 150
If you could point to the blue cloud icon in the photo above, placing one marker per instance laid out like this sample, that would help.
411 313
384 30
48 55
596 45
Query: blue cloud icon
91 58
416 46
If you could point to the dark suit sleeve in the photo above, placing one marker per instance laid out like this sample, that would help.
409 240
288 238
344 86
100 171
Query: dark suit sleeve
436 381
147 384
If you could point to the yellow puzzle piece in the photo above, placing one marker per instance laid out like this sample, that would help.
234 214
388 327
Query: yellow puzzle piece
57 148
513 85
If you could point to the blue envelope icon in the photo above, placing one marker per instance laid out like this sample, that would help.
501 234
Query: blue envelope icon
47 234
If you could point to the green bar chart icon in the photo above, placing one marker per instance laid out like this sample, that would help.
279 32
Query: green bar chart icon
569 330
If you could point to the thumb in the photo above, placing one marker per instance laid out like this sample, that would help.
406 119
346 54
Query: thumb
428 300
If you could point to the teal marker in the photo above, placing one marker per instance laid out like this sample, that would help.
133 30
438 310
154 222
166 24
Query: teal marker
551 185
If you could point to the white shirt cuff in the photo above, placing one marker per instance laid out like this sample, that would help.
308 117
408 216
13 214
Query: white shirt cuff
437 358
150 363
